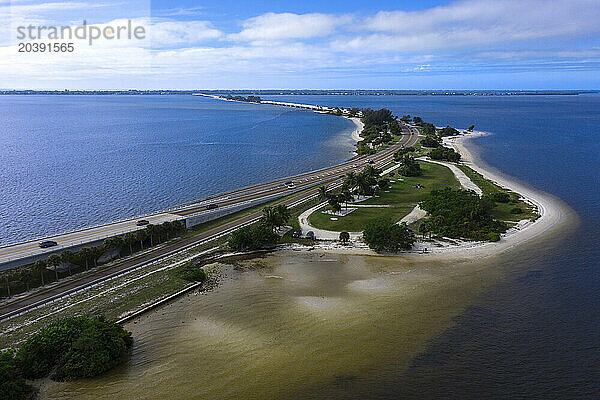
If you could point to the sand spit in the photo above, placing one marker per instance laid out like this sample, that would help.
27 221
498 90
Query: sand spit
551 210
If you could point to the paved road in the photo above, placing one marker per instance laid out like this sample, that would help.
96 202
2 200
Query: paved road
332 175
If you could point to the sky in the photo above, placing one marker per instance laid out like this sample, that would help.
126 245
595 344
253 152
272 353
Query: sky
375 44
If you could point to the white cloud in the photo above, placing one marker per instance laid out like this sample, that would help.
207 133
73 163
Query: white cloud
271 26
477 22
174 33
465 35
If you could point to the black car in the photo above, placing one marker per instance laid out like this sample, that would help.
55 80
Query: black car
211 206
142 222
48 243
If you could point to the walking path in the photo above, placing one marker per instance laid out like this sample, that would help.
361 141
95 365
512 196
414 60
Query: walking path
464 180
321 234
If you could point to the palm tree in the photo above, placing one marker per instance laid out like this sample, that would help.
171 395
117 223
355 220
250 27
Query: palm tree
40 266
141 235
346 196
269 216
323 192
26 276
350 180
151 231
362 184
86 254
283 214
54 261
95 253
129 239
336 207
66 257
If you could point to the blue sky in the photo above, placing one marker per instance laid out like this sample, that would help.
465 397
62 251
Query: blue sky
465 44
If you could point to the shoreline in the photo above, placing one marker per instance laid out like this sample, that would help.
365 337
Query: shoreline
359 128
552 212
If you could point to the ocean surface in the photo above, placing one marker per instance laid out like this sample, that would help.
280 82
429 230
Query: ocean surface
523 325
70 162
537 334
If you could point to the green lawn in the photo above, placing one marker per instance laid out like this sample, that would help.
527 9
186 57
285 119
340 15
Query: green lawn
403 196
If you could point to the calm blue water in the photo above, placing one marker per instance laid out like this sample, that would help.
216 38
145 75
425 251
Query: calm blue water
68 162
537 334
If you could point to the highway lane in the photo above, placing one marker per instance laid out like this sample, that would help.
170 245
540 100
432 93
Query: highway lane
92 278
95 234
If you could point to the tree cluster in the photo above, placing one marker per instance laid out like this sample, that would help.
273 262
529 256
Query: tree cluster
460 214
444 154
253 237
67 349
249 99
12 383
261 235
379 127
448 131
409 166
432 141
383 234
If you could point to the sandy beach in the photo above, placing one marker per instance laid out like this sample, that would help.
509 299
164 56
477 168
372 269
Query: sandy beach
359 127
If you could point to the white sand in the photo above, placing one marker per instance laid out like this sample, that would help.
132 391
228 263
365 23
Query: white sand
359 127
416 214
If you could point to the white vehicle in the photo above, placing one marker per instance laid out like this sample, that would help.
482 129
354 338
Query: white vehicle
290 185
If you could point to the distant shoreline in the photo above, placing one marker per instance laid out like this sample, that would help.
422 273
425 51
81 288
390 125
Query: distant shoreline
311 92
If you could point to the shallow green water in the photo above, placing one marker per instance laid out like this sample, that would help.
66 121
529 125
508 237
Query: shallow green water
298 325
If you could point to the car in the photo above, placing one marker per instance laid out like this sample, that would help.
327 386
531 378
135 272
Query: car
290 185
48 243
212 206
310 235
142 222
370 161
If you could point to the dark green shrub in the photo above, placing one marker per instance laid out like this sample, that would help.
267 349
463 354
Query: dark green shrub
460 214
383 234
74 347
516 210
500 197
444 154
191 273
344 237
494 236
12 384
252 237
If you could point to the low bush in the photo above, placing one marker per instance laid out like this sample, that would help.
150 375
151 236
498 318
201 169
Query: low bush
494 236
500 197
12 383
73 348
190 272
252 237
444 154
383 234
